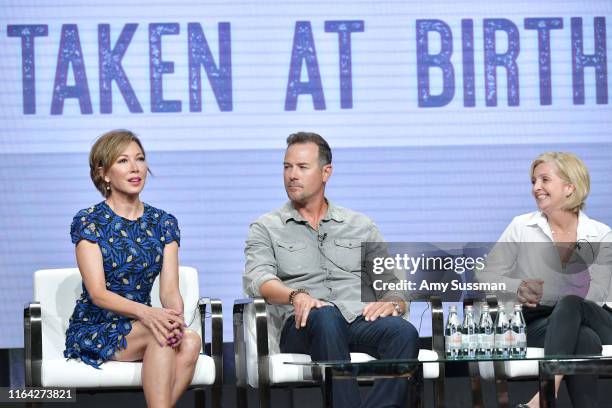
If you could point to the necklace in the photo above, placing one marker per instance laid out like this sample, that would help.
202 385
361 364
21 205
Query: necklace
572 230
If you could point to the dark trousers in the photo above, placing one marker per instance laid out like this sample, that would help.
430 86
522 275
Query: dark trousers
574 326
328 336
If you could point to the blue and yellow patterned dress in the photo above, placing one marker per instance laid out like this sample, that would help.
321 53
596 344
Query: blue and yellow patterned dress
132 252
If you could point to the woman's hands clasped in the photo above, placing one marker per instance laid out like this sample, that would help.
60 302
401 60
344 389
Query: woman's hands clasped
166 325
530 292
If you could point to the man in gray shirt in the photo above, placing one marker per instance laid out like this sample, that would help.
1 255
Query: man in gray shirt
306 258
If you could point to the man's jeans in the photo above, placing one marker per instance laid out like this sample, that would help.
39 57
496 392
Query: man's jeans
328 336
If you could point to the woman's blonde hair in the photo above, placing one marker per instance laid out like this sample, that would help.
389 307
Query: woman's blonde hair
105 151
573 171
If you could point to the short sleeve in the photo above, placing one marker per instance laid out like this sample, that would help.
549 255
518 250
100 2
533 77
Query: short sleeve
83 227
170 229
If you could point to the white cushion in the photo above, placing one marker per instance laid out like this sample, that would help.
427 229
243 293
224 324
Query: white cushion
514 369
57 291
518 368
486 370
525 368
286 373
74 373
430 370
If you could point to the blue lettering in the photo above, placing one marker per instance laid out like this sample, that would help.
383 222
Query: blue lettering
159 67
598 60
425 61
544 25
344 30
467 42
220 77
111 70
304 52
70 54
28 78
506 60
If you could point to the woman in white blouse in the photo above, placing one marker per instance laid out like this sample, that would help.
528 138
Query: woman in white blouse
551 267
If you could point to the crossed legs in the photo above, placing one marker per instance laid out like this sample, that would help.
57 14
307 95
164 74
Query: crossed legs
578 327
166 371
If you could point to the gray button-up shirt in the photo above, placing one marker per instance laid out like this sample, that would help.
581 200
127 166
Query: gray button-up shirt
327 263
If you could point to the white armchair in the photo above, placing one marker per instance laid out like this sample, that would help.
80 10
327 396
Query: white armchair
46 321
261 365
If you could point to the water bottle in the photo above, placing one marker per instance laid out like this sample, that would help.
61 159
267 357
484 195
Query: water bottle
519 333
452 334
469 334
485 333
503 334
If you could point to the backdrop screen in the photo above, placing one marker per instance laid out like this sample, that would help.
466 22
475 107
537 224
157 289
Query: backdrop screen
434 112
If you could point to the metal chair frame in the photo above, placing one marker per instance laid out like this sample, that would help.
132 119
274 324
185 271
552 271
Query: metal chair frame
32 326
261 330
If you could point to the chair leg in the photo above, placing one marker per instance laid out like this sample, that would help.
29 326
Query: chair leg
475 385
241 396
438 388
216 396
290 394
327 388
415 388
264 396
501 386
199 398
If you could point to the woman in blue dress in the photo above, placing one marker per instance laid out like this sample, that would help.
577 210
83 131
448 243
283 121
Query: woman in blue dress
122 244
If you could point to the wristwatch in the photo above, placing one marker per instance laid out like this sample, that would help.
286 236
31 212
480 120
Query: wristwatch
294 293
397 307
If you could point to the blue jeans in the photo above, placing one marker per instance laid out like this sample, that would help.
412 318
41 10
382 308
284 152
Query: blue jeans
328 336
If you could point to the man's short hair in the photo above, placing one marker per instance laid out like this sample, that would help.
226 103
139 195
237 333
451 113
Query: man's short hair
325 154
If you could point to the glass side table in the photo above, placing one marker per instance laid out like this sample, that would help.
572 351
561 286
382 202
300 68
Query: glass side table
549 366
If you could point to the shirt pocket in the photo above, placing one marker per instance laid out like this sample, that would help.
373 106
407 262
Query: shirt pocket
347 254
292 258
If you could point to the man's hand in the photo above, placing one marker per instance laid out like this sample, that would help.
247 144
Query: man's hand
530 292
303 303
374 310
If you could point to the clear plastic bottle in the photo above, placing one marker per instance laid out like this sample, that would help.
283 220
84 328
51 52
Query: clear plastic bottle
452 334
469 334
503 333
486 333
519 333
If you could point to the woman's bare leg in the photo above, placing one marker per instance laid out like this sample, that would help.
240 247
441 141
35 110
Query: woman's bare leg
158 365
187 354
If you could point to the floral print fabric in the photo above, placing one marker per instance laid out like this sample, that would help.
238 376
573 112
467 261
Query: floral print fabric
132 253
